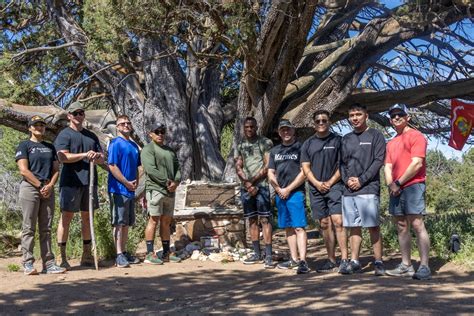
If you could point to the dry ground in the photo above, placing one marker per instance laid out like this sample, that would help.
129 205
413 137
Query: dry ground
193 287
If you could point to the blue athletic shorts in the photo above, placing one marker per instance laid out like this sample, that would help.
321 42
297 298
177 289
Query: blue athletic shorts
411 201
361 210
258 205
291 212
122 210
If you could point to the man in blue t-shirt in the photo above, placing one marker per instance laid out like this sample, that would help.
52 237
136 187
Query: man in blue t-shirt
123 160
285 175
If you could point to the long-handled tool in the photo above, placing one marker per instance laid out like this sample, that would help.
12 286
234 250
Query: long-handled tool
91 212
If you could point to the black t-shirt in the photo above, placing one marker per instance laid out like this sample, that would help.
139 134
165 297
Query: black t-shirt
285 160
77 173
40 158
362 156
323 154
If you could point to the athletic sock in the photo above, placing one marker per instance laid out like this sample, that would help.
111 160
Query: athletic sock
268 250
355 261
62 248
149 246
378 261
87 242
256 247
166 246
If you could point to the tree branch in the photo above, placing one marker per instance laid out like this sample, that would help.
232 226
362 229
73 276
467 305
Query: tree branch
46 48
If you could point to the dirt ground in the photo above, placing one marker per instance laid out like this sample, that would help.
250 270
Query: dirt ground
194 287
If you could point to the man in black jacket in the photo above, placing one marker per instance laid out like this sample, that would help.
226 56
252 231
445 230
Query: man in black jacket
363 153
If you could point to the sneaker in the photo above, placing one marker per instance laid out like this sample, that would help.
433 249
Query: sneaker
344 267
423 273
131 259
52 268
29 269
350 268
152 258
121 261
64 264
328 266
302 267
288 265
254 258
269 263
401 270
170 257
379 269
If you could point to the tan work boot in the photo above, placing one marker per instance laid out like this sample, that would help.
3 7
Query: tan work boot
64 264
87 260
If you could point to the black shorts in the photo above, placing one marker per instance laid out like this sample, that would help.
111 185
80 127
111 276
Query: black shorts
327 204
258 205
75 199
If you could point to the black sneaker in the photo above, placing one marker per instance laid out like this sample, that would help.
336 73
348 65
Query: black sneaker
131 259
345 267
350 268
254 258
328 266
379 269
288 265
423 273
302 267
269 263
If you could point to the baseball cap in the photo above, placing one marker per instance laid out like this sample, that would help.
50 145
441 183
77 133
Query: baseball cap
285 123
75 106
35 119
156 126
400 107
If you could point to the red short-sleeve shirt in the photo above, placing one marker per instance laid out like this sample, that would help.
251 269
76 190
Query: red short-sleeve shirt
401 149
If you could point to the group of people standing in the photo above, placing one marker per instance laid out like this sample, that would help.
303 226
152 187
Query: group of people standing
76 148
342 174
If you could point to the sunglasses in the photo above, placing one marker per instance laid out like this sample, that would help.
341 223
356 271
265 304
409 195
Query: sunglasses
160 132
399 114
125 123
77 113
323 121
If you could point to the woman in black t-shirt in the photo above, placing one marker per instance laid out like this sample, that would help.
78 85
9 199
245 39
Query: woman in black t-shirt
39 168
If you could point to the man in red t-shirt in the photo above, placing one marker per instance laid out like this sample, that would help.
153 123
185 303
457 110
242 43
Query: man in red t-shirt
405 173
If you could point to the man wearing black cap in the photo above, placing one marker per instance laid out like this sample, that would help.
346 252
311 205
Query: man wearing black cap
39 167
405 173
251 160
76 147
162 178
285 175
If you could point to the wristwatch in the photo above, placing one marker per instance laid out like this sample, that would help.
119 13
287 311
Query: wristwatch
397 183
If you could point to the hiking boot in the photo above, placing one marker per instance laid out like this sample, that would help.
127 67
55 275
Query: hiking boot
379 269
121 261
29 269
302 267
170 257
87 260
288 265
269 263
401 270
64 264
328 266
254 258
423 273
152 258
131 259
52 268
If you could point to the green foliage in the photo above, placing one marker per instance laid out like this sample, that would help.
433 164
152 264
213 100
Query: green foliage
226 139
9 140
13 267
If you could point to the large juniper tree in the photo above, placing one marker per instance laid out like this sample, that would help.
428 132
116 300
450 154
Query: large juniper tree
198 65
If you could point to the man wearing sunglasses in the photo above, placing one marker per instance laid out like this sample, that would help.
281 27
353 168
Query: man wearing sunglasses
76 147
320 156
162 178
123 159
405 173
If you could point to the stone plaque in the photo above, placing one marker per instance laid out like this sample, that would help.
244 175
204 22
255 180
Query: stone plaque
210 196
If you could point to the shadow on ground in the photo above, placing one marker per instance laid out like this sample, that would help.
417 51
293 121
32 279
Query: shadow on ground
232 290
